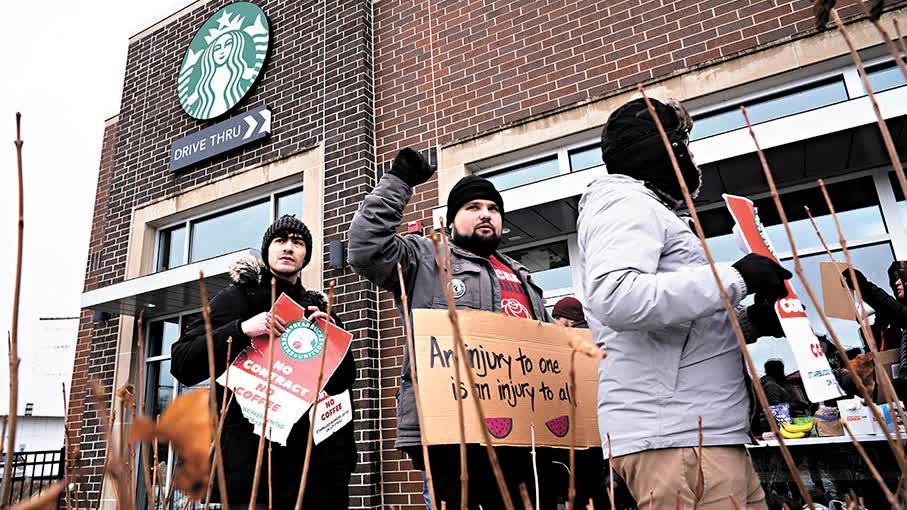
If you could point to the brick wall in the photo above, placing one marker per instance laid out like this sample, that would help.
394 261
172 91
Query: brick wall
499 63
137 153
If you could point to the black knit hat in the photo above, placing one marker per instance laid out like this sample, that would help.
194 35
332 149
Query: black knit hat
285 225
631 145
469 188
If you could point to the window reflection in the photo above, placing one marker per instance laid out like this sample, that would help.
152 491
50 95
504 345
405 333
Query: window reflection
525 174
549 265
171 252
585 158
765 109
885 76
245 225
291 203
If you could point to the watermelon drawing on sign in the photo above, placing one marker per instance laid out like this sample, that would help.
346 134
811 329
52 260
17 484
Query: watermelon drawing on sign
499 427
559 426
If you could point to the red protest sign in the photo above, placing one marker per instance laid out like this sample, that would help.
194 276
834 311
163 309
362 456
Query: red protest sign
297 359
818 380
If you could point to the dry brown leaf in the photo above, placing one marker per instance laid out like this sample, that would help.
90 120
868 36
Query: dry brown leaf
47 500
822 11
875 9
865 368
186 425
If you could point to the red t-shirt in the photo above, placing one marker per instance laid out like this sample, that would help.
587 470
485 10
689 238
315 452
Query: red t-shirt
514 300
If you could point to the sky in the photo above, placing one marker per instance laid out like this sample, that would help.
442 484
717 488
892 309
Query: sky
63 70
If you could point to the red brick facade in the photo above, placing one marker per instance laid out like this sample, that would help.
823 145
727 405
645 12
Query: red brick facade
496 63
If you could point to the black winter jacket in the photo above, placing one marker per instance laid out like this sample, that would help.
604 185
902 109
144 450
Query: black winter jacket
332 461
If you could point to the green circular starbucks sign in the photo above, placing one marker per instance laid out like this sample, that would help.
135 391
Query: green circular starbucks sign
223 60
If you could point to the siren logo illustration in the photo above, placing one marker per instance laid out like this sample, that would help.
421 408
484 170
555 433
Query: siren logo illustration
302 340
223 60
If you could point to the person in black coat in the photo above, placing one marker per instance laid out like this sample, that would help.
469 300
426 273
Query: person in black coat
891 312
241 312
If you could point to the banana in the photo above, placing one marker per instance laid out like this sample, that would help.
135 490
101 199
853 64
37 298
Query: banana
793 427
790 435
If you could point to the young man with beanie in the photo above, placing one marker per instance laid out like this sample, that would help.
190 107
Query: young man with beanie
652 303
482 279
242 312
568 312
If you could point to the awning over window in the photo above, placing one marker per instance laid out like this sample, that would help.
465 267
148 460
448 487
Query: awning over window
166 292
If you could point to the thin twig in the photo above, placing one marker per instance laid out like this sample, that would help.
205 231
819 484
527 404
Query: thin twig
113 466
883 127
12 406
872 469
893 442
414 377
309 447
734 502
897 29
225 404
256 477
524 495
892 49
798 267
732 314
212 396
678 503
169 493
140 408
66 467
452 315
535 466
270 486
571 485
699 480
611 474
153 492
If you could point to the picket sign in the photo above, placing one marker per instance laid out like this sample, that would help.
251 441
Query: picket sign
818 379
297 360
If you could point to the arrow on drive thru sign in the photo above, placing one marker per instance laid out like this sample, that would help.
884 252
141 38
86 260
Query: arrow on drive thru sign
818 380
257 122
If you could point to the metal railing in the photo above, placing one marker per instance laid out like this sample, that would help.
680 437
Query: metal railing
33 472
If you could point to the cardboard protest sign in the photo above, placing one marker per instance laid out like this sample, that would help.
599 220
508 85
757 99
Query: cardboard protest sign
837 300
818 380
297 358
521 371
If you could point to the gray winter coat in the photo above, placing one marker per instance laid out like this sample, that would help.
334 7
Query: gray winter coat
652 304
375 250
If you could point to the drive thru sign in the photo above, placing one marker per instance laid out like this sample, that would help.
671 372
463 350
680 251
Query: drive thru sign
818 380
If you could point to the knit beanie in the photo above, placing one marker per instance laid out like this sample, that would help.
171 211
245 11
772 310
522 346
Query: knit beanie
285 225
631 145
469 188
569 308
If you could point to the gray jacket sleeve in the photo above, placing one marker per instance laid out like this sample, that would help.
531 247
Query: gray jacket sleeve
622 244
375 247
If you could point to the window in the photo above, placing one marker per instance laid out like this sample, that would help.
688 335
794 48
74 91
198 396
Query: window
885 76
161 387
223 232
524 174
788 102
585 158
857 206
29 408
549 265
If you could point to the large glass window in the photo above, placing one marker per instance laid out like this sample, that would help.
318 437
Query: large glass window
885 76
857 205
524 174
549 265
763 109
585 158
161 387
223 232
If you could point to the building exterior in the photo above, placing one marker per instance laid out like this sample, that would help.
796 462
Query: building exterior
516 91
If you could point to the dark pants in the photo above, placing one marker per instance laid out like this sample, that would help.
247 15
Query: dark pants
516 464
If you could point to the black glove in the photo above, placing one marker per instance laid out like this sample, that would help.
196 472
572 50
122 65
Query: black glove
764 319
763 276
411 167
861 280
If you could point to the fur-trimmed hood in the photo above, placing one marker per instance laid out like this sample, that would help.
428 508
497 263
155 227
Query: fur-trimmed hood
249 270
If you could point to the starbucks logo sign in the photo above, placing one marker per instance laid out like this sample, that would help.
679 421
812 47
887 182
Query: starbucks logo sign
223 60
302 340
